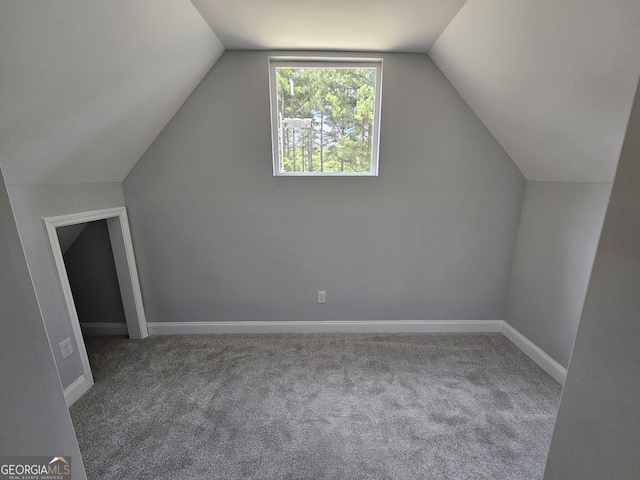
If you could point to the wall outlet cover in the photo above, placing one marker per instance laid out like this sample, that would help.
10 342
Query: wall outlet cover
322 296
66 348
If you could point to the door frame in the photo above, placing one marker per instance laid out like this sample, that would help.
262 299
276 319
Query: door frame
122 246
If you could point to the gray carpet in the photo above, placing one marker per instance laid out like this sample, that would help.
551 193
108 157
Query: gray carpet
315 407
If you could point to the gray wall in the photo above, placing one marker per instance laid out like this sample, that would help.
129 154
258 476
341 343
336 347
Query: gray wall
597 434
92 275
69 234
217 237
33 413
559 230
30 204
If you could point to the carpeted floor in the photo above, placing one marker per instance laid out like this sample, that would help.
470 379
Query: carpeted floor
315 407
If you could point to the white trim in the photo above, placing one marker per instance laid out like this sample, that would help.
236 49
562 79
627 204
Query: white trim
72 314
548 364
82 217
137 324
104 329
128 275
349 326
325 62
535 353
78 388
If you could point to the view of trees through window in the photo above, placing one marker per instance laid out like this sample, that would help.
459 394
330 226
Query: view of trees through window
325 118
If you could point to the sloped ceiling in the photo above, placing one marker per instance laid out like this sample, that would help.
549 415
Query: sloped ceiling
86 86
552 80
383 25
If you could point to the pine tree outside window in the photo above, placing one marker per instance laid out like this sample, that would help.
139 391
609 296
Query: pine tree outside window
325 116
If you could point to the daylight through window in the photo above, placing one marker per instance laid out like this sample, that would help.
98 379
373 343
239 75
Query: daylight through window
325 116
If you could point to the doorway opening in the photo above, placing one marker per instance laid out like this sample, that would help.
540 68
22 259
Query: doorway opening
88 258
126 272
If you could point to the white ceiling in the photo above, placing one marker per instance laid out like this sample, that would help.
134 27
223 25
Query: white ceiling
86 86
552 80
383 25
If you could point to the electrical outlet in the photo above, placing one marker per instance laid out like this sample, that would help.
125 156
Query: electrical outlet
322 296
66 348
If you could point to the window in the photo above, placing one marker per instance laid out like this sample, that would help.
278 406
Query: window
325 116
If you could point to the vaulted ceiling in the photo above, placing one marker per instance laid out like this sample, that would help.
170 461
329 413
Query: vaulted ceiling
552 80
86 86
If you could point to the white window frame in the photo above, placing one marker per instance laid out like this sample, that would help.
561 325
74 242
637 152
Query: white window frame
325 62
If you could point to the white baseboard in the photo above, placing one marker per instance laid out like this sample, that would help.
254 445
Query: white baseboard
549 365
74 391
348 326
544 361
104 329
